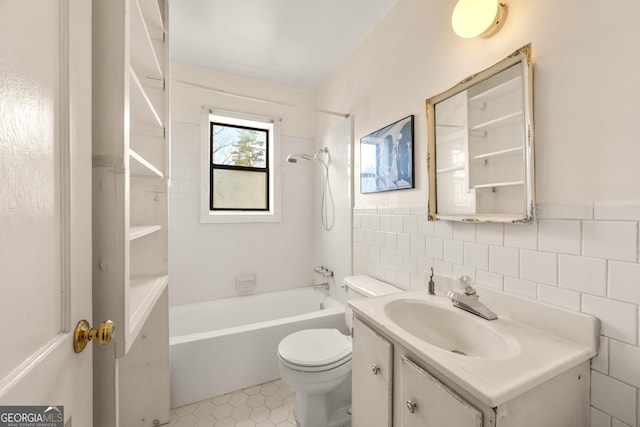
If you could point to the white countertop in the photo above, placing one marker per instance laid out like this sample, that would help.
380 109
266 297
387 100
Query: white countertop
551 341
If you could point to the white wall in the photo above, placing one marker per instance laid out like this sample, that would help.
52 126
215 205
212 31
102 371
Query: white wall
333 247
205 259
585 90
583 251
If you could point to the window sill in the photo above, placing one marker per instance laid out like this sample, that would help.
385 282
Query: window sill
237 217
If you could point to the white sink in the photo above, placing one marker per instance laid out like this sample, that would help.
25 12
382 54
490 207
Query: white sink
451 329
495 360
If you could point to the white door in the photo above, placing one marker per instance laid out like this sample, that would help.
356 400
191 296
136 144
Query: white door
45 204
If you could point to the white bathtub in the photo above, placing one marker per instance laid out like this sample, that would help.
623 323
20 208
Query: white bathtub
229 344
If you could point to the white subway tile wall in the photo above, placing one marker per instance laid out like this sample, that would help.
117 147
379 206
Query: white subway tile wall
599 418
601 362
582 256
614 397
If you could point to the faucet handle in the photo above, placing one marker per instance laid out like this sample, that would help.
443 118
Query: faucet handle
469 291
464 280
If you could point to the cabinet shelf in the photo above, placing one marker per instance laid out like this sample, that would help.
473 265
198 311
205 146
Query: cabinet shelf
144 57
451 169
143 111
498 153
137 232
141 167
132 109
153 18
144 292
508 87
498 184
505 120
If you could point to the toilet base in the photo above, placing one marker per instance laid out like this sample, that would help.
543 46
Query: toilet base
324 410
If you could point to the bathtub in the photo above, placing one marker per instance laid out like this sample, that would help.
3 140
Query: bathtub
225 345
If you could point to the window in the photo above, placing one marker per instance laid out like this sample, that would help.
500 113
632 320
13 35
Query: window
239 178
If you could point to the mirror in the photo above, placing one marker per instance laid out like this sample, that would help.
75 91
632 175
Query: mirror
480 151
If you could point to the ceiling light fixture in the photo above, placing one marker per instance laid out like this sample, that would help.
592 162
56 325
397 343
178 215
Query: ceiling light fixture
482 18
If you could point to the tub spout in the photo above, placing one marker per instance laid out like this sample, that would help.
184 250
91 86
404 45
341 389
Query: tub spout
319 286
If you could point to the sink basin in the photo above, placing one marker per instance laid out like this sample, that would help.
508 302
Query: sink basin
451 329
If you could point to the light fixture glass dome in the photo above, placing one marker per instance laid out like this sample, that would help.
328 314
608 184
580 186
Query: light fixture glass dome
473 18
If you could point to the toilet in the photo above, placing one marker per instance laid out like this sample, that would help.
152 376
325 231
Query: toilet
316 363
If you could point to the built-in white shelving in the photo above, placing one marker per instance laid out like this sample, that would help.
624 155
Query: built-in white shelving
492 93
145 59
141 231
139 166
131 179
498 184
495 118
498 153
454 168
504 120
144 112
144 292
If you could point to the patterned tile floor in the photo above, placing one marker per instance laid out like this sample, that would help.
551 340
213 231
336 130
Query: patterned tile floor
265 405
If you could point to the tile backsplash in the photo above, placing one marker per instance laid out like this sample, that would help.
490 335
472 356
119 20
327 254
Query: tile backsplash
582 256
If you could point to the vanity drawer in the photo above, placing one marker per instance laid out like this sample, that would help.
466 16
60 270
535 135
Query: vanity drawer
426 402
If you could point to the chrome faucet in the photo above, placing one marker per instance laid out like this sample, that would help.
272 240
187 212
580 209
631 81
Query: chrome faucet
323 271
469 300
319 286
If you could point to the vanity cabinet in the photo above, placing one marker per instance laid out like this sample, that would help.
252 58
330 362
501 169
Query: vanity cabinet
373 375
420 395
131 116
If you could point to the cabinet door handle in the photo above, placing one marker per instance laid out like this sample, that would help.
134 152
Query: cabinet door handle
411 406
375 369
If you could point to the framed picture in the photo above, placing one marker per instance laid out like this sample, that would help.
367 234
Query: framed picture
386 158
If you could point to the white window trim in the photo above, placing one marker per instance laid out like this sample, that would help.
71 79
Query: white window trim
217 217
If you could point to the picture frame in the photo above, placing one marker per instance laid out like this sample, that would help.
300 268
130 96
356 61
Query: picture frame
386 158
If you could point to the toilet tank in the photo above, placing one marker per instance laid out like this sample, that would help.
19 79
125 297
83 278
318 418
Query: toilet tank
363 286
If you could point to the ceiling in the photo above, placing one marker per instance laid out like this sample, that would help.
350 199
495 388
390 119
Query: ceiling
297 43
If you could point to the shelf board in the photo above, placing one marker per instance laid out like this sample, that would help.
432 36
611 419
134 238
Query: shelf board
144 292
498 184
152 17
143 111
505 88
137 232
507 119
451 169
144 58
139 166
498 153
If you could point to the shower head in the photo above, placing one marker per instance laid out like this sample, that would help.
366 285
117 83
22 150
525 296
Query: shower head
293 158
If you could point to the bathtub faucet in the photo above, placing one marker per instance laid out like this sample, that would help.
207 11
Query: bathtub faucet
323 271
319 286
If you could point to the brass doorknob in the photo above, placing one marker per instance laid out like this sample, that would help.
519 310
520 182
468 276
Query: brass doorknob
85 333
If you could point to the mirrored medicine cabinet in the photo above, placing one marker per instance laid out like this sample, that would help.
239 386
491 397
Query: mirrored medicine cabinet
480 150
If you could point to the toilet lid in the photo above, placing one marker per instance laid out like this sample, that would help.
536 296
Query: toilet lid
315 347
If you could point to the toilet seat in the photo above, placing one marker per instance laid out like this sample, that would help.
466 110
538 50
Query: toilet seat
314 350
